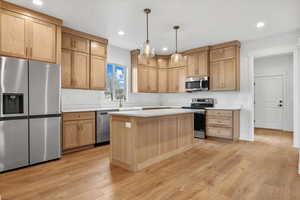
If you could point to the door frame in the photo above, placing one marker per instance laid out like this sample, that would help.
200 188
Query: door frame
295 50
284 95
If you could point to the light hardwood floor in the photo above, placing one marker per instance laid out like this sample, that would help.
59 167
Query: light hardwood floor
212 170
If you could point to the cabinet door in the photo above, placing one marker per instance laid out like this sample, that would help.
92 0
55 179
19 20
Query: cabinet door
98 49
180 79
142 60
223 75
152 80
192 64
42 41
66 68
98 73
67 41
80 70
172 78
13 34
86 133
163 80
143 78
163 62
70 135
81 44
202 66
152 62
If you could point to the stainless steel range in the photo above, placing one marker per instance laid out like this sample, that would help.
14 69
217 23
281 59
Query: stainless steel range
200 115
29 112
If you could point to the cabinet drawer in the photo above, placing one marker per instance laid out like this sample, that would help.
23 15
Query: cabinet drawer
219 132
219 122
78 116
219 113
222 53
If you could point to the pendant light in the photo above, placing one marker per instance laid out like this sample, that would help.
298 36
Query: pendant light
147 51
176 58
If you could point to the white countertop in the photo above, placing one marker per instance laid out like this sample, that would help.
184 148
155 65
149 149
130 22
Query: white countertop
153 113
225 107
115 108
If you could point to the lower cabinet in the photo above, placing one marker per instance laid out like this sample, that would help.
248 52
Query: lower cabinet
78 130
223 124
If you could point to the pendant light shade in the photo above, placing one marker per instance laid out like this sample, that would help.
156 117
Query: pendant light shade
147 51
176 58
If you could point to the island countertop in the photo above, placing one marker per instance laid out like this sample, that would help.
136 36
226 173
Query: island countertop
153 113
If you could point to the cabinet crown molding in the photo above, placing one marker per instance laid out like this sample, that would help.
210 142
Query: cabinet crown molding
84 35
227 44
195 50
30 13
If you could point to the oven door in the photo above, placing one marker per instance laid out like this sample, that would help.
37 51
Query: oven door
199 124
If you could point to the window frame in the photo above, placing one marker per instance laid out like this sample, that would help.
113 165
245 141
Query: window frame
114 65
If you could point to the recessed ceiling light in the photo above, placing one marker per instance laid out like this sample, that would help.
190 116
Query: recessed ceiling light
37 2
260 24
165 49
121 33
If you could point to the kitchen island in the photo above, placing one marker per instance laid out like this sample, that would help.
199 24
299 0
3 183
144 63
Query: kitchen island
142 138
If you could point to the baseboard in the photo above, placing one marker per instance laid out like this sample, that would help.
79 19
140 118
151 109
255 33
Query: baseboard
246 139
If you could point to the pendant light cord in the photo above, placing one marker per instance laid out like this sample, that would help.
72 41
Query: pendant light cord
147 22
176 39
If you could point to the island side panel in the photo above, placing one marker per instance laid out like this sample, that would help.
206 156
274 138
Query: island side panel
175 135
123 142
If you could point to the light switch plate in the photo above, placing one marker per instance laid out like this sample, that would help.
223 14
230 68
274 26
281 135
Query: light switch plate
127 124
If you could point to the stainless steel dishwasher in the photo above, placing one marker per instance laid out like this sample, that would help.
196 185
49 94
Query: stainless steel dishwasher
103 127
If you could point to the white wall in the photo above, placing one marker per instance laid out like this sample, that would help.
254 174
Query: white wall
78 99
243 97
280 65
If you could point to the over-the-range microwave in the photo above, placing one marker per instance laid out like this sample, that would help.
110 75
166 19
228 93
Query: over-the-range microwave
193 84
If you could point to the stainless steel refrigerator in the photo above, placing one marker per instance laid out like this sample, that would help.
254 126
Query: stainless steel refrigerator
29 113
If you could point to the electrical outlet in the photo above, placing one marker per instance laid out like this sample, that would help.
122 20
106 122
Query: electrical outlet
127 124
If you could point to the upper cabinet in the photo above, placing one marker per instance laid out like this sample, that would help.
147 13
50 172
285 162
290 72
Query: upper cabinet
197 62
144 74
83 60
29 34
225 67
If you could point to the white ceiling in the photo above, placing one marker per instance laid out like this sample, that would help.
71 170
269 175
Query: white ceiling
202 22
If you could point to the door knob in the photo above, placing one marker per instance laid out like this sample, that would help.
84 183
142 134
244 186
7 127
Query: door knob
280 101
280 105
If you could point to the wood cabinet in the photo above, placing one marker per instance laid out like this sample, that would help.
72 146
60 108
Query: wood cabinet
197 62
223 124
225 67
80 70
83 60
221 63
42 40
144 74
29 34
98 73
150 139
66 70
163 80
176 79
75 43
98 49
78 130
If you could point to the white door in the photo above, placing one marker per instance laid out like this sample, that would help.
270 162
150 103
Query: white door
269 102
